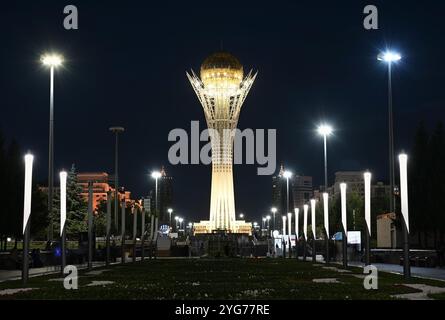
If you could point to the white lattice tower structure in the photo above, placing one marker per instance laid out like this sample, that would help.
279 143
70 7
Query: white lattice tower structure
221 91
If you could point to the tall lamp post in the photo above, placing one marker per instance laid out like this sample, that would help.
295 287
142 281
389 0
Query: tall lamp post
116 131
170 210
52 61
389 58
325 130
287 175
156 175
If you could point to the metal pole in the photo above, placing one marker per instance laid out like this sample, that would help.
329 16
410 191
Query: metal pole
368 247
406 262
51 154
135 228
156 209
391 140
326 189
325 165
345 248
287 205
25 268
123 232
304 250
143 234
108 231
116 182
63 247
90 225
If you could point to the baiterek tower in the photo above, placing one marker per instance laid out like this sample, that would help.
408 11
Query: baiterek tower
221 90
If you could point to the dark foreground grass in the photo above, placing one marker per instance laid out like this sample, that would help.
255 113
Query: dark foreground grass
262 279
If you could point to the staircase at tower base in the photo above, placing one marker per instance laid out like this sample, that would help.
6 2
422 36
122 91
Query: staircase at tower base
205 227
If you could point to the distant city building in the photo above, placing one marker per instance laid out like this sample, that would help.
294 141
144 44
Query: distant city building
300 193
356 184
165 198
100 187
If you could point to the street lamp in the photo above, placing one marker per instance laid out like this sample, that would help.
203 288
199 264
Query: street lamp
52 61
170 210
274 211
287 175
241 215
268 222
156 175
180 222
325 131
176 222
344 222
390 57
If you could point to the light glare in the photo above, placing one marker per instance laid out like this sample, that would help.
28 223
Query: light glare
52 60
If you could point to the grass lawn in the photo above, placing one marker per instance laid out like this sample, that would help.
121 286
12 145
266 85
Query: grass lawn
217 279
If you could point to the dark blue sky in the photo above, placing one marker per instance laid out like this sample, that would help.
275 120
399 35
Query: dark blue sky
126 66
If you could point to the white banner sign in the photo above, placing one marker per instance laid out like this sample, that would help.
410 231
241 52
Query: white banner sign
343 206
367 177
313 219
326 212
28 190
63 178
403 161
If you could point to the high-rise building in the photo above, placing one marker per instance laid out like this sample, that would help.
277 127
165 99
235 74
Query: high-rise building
165 197
300 192
222 89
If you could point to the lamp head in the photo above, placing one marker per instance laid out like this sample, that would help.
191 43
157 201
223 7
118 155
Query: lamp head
324 130
389 56
52 60
287 174
274 210
155 174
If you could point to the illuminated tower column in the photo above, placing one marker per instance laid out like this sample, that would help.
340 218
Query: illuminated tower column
221 91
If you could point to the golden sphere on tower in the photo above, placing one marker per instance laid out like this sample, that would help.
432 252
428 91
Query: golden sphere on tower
222 70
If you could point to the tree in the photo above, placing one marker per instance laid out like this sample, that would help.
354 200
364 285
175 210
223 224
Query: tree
419 184
76 206
437 176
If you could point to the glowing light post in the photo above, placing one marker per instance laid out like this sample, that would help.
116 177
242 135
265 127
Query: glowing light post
63 177
297 217
326 223
283 241
170 210
181 226
274 211
344 224
390 57
287 175
289 228
52 61
305 209
26 214
325 131
314 229
116 131
268 224
241 215
403 163
156 175
367 176
176 223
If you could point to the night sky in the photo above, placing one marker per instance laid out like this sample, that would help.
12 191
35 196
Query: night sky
126 66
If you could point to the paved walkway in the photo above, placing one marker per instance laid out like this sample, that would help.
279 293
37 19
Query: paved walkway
428 273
